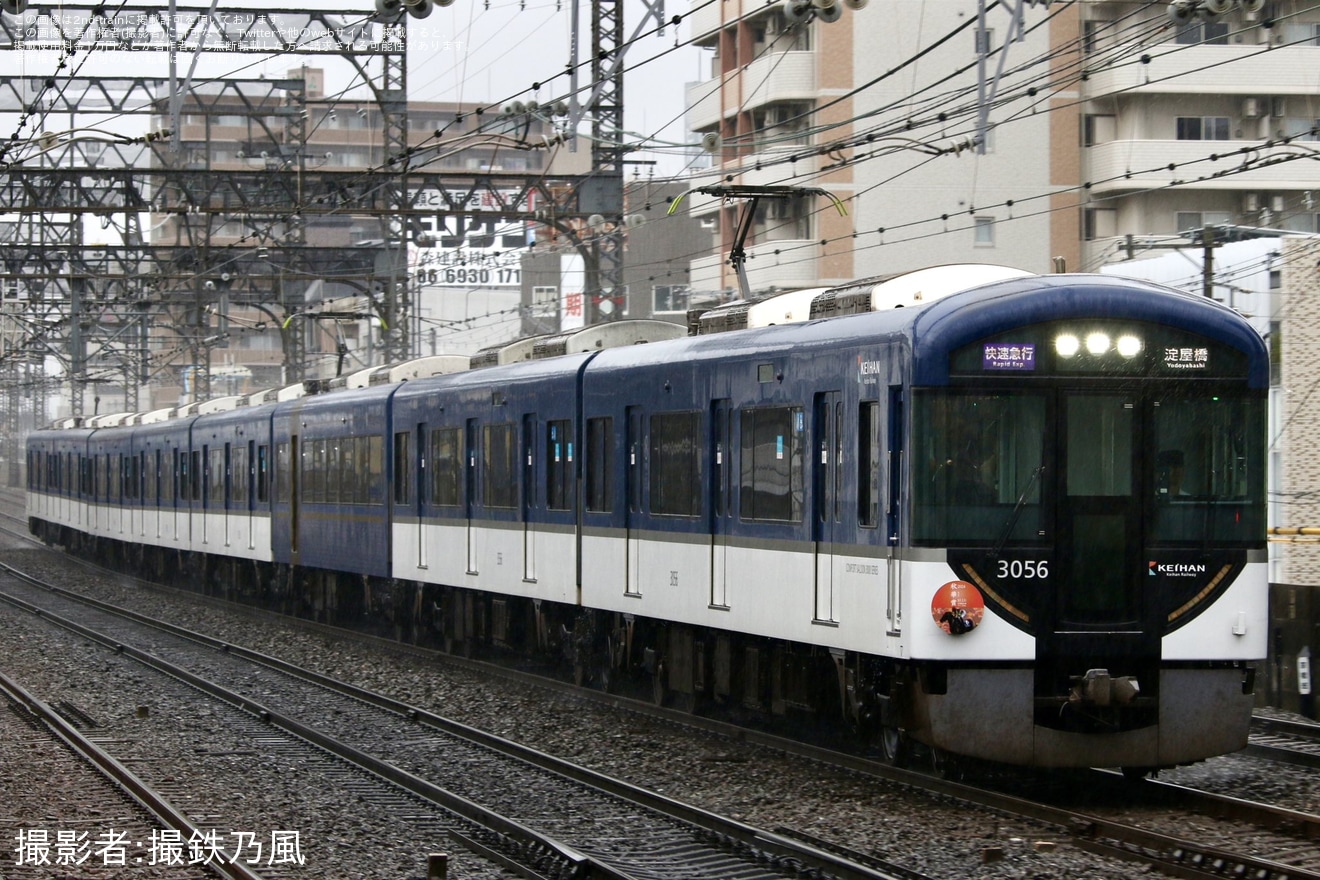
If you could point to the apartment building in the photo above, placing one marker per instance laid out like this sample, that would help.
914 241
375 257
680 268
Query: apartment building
1039 136
450 265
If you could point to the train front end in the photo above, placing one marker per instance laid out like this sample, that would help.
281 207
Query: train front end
1085 544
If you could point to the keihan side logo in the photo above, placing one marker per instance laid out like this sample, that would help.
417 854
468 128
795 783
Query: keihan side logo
1175 569
868 371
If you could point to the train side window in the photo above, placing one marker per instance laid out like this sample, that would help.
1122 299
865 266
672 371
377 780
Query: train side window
314 484
600 464
376 470
263 473
351 488
333 457
446 467
868 465
675 478
499 454
195 475
559 465
238 474
771 476
402 467
283 473
217 474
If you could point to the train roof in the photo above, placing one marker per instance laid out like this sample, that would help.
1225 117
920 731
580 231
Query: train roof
937 328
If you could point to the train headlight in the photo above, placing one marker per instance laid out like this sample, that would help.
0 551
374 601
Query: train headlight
1097 343
1129 346
1067 345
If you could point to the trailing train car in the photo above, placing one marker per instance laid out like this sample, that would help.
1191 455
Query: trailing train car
330 519
55 468
1024 522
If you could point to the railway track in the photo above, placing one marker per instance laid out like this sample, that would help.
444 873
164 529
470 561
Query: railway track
1288 742
95 813
1101 830
528 805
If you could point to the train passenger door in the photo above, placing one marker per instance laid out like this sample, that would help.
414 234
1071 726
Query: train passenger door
892 525
423 453
227 488
1098 609
295 492
252 488
633 447
827 486
470 494
529 495
721 505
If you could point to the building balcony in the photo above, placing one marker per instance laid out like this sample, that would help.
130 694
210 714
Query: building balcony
1120 166
775 76
705 273
1213 70
782 264
703 102
705 18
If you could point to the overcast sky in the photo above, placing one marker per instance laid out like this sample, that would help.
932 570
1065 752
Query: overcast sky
473 50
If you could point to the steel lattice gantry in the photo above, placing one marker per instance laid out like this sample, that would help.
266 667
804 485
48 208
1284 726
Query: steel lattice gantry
90 306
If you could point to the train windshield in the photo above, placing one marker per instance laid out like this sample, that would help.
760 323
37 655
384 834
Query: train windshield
1207 478
977 466
1173 466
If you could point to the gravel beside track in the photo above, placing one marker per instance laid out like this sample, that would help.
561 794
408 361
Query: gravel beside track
52 796
206 761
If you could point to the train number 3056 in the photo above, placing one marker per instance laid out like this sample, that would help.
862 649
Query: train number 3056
1024 569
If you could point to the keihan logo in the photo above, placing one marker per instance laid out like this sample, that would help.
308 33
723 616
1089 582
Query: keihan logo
867 368
1176 569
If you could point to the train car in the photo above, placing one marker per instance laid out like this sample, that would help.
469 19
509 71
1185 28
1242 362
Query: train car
55 478
164 441
1024 523
485 494
329 515
230 515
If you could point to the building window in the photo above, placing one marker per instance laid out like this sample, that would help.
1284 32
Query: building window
1091 35
1202 128
669 299
1211 33
545 301
984 232
1099 223
1186 220
1098 128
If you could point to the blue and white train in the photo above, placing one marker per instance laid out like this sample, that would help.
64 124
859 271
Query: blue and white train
1023 521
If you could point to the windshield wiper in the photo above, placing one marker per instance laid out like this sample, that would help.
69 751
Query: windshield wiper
1016 512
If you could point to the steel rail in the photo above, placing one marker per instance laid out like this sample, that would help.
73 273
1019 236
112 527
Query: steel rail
126 780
